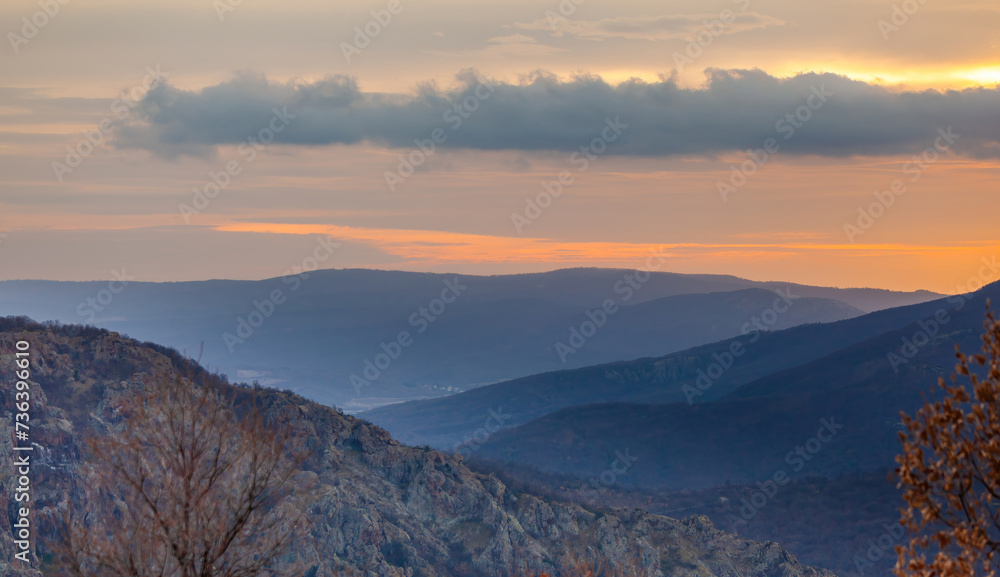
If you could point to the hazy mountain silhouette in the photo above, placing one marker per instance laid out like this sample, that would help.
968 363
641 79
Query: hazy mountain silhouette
666 379
754 431
379 507
331 322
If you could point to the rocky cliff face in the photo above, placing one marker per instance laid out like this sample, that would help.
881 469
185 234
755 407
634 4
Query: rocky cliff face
381 507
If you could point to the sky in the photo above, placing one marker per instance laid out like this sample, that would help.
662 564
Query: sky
850 143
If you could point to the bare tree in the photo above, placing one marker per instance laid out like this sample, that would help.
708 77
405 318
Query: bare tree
950 471
188 483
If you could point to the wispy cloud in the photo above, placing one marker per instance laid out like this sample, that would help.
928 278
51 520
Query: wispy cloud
667 27
513 39
512 45
432 247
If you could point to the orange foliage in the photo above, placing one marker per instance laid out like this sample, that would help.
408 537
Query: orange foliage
950 472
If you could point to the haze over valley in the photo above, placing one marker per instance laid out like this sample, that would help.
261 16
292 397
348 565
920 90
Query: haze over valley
536 288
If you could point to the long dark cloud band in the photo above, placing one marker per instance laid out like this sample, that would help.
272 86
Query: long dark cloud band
734 110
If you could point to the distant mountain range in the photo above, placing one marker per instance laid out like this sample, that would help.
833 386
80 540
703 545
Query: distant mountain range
337 336
761 426
698 375
732 384
380 508
755 431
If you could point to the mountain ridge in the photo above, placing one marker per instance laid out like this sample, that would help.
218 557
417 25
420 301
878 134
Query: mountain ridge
699 374
325 326
397 511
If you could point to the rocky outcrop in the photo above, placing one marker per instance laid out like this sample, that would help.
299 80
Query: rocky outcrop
379 507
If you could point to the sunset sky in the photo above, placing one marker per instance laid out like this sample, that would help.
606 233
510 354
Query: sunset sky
848 100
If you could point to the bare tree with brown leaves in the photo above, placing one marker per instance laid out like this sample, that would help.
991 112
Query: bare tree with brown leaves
950 471
188 483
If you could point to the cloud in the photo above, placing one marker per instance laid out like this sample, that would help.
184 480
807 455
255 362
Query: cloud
734 110
683 26
513 39
511 45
